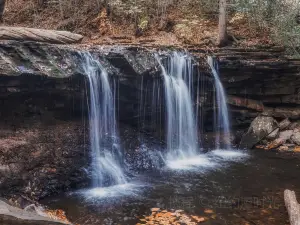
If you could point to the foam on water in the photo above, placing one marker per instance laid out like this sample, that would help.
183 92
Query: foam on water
229 154
190 163
121 190
209 160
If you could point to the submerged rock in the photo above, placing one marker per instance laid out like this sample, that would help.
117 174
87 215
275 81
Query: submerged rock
260 128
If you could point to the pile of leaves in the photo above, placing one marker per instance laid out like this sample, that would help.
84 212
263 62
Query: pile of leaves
159 216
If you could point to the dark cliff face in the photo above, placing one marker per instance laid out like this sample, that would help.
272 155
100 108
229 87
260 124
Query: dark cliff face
258 81
44 105
44 137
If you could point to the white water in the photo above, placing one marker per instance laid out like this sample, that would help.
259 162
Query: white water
222 123
106 152
180 117
197 161
229 154
121 190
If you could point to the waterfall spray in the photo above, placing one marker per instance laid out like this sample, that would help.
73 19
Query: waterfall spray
180 117
106 151
222 123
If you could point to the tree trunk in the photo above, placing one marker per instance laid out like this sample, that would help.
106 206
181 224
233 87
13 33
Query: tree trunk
292 207
222 39
40 35
2 7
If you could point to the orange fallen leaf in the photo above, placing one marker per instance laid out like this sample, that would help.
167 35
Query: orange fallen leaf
155 209
208 211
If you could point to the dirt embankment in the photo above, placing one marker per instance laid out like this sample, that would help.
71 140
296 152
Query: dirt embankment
100 26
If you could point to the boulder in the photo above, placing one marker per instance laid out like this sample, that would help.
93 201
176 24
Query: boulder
286 135
294 125
260 128
284 124
282 139
275 144
273 135
295 138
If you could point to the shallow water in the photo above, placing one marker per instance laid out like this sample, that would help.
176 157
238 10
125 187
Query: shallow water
239 188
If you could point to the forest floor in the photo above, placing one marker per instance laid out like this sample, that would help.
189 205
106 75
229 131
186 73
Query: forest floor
178 29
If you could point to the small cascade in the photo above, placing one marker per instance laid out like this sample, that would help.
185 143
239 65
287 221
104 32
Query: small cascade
222 123
106 151
180 116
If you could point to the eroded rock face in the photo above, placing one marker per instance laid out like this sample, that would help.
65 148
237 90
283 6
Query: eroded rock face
44 130
259 81
43 159
261 127
44 135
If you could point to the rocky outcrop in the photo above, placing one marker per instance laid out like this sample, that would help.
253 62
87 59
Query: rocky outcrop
284 138
44 138
258 81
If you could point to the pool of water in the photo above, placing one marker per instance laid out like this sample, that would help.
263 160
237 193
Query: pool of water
224 187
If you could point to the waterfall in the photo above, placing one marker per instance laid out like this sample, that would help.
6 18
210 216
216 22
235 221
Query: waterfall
180 117
106 152
222 123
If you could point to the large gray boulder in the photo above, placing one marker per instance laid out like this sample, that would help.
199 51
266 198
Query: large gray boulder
284 124
273 135
260 128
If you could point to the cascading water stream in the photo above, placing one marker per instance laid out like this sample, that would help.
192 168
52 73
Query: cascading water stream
180 117
222 122
106 152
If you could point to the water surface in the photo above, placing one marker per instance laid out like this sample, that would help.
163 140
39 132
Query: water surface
239 189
